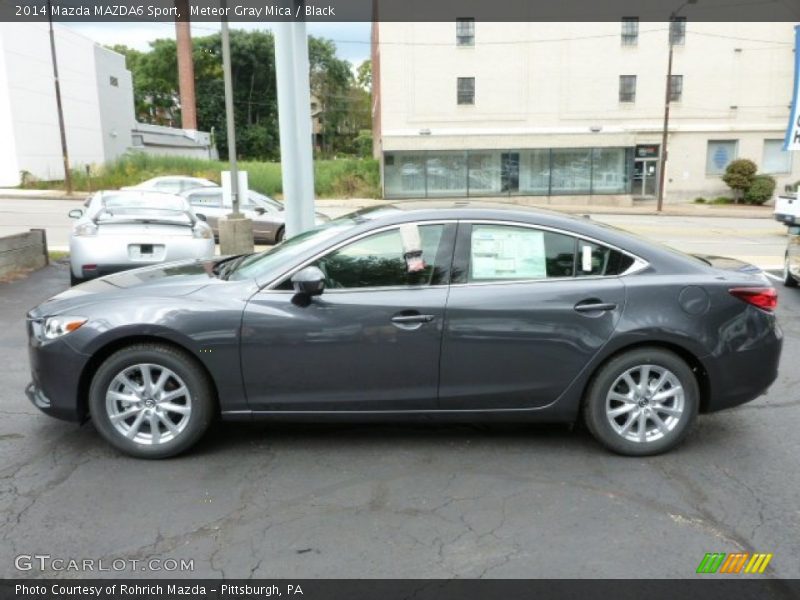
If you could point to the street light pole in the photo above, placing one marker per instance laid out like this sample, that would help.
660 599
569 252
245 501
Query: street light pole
59 109
662 171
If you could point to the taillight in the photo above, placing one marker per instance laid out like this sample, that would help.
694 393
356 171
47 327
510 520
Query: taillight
765 298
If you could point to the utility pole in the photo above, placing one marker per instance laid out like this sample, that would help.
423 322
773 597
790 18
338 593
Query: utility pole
183 41
294 120
662 171
60 110
236 231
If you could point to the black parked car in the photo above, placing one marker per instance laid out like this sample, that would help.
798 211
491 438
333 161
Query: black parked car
415 310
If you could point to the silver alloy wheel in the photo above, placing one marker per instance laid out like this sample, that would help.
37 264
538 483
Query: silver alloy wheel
148 404
645 403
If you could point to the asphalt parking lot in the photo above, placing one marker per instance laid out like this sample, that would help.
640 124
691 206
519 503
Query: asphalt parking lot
403 501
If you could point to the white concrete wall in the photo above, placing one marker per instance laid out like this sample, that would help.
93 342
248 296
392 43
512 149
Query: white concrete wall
117 114
547 84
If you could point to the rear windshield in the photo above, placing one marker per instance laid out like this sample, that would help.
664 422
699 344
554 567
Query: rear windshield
131 204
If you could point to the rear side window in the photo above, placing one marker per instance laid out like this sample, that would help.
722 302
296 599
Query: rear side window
596 260
505 252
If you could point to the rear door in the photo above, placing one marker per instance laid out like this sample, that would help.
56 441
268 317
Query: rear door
528 308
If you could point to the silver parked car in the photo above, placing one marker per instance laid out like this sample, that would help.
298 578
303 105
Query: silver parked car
267 214
172 184
130 228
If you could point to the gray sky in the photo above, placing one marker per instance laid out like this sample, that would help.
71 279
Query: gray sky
352 39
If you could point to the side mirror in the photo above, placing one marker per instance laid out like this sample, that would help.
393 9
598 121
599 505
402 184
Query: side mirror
201 217
75 213
309 281
260 210
794 230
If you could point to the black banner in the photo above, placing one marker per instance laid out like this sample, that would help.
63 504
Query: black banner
706 588
394 10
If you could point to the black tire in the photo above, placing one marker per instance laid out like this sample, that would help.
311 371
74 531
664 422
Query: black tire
280 235
788 280
73 281
203 402
599 423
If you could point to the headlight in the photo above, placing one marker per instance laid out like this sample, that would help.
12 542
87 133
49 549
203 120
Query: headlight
55 327
85 229
203 232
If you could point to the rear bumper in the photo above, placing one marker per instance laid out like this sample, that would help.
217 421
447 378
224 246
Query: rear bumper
745 374
784 218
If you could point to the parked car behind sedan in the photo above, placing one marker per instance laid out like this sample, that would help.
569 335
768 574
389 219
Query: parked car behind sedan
268 215
172 184
131 228
421 310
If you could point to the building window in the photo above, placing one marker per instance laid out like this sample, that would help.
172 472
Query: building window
776 159
627 88
571 171
465 31
113 81
677 31
719 155
630 31
675 88
466 90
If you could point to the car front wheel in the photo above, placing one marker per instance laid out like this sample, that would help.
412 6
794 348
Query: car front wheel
788 279
151 401
642 402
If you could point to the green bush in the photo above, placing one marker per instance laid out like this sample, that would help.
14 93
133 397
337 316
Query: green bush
760 190
739 176
721 200
699 200
351 177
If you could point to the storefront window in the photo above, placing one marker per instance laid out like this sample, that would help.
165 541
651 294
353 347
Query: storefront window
571 171
534 172
447 173
485 173
610 171
404 175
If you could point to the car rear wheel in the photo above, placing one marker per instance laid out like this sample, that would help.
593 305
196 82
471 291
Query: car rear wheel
151 401
788 279
642 402
280 235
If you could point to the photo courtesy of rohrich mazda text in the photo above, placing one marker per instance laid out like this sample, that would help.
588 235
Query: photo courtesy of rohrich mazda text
394 299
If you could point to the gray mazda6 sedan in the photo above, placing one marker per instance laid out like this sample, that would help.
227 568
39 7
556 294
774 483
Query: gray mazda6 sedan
448 311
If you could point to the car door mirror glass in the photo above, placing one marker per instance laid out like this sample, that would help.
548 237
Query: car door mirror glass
200 216
75 213
309 281
260 210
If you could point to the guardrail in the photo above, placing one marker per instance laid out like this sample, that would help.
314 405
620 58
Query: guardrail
22 251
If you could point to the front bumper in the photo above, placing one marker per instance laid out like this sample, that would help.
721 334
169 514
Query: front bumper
783 218
55 371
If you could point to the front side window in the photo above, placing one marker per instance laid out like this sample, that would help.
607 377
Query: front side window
465 32
466 90
507 253
630 31
627 88
379 261
719 155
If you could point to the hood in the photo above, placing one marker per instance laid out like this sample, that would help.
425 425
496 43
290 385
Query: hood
170 280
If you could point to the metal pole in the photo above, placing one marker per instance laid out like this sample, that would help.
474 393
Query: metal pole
294 119
226 73
60 110
662 171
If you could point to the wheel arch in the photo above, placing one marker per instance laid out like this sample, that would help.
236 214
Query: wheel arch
102 353
695 364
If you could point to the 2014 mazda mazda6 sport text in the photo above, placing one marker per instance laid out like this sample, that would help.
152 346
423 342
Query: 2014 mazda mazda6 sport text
449 311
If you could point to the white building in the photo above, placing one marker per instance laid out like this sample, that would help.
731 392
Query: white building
576 110
97 99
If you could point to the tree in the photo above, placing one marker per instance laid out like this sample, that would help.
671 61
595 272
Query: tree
331 78
364 75
739 175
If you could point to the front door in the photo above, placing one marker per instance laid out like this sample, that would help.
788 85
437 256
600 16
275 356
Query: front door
529 310
645 177
370 342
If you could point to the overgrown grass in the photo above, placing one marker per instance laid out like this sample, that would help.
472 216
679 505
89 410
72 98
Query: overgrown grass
340 178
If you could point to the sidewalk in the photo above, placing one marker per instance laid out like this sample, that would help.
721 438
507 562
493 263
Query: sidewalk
647 207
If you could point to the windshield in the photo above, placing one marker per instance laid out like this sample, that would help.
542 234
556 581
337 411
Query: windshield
282 255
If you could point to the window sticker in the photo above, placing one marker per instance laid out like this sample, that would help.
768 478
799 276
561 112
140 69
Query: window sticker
507 253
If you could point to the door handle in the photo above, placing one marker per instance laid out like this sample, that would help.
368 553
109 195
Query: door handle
592 306
412 319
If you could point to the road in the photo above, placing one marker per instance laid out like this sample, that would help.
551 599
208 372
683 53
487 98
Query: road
399 500
758 241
